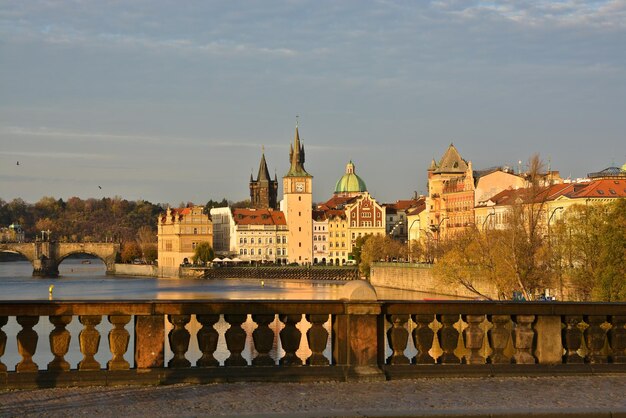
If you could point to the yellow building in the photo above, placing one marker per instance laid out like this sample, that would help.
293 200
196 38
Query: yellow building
298 206
179 233
339 247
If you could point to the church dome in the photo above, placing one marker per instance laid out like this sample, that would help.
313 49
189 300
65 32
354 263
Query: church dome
350 182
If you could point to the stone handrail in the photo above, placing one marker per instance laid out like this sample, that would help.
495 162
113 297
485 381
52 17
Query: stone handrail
344 340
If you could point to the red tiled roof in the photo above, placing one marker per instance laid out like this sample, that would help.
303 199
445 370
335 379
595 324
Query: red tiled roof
336 201
611 188
258 217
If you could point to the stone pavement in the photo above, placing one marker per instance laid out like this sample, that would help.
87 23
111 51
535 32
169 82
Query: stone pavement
580 396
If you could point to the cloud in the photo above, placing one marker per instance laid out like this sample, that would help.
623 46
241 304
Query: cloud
609 14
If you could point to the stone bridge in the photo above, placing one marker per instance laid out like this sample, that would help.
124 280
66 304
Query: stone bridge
47 255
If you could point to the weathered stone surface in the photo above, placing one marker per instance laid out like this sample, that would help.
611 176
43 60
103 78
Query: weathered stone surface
398 337
3 342
358 290
499 337
89 339
27 343
595 336
118 342
290 338
523 338
573 337
317 337
207 340
179 340
235 340
149 341
549 348
423 338
59 342
474 338
618 338
448 339
263 338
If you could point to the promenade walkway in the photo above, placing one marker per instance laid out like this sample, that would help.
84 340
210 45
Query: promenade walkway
579 396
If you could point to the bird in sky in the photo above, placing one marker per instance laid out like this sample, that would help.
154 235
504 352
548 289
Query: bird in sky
100 187
18 163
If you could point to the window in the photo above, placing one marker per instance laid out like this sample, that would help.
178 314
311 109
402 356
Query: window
251 251
195 231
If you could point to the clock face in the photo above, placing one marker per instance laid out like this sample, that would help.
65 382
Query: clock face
299 186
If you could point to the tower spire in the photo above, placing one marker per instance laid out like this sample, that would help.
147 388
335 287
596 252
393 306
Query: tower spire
296 156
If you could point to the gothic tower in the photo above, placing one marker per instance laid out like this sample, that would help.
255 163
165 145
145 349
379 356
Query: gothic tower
263 190
298 206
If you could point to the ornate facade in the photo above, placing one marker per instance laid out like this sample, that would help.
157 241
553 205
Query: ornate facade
179 232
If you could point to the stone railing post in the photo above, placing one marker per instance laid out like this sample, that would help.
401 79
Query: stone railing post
149 341
618 338
118 342
523 338
3 342
27 343
549 345
59 342
89 341
359 340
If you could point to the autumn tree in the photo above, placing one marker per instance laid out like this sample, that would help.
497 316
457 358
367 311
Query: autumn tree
130 251
379 248
590 246
203 253
515 258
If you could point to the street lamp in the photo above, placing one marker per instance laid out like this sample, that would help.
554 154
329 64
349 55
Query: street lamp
487 217
409 232
550 218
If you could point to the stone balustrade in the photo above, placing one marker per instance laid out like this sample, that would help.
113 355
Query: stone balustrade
305 340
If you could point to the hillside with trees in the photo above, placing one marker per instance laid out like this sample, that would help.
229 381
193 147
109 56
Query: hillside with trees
78 220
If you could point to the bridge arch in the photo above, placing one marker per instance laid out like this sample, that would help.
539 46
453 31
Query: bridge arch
46 256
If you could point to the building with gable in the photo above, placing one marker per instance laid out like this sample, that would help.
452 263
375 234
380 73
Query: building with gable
179 231
450 202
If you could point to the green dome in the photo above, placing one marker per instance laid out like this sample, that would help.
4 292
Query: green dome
350 182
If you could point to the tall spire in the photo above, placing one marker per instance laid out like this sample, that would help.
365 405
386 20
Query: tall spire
263 171
296 156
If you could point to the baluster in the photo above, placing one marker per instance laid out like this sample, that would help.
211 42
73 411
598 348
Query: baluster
89 339
523 338
207 340
179 340
474 337
423 337
3 342
317 336
27 343
290 339
118 342
235 339
573 337
499 337
618 339
59 342
263 338
449 339
596 338
398 337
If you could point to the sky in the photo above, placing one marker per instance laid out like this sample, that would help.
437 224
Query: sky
173 101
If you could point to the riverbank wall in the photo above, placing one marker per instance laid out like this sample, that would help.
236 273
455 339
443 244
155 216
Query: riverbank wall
420 277
140 270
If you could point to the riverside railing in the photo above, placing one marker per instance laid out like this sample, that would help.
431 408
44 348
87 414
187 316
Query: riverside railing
157 342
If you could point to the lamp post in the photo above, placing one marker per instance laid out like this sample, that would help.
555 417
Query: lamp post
550 218
409 232
487 217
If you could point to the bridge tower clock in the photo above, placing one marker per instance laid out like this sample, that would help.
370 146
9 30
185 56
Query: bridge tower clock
298 206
